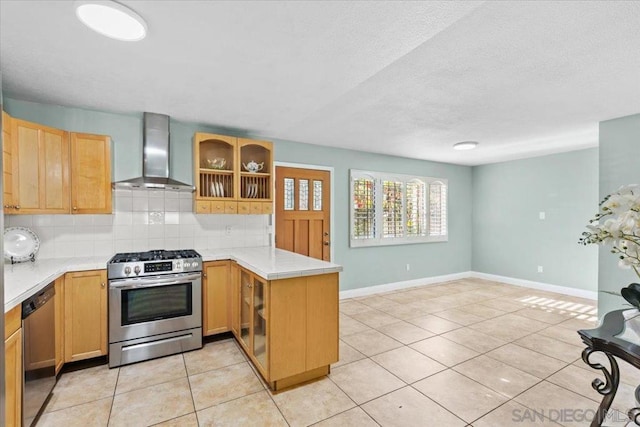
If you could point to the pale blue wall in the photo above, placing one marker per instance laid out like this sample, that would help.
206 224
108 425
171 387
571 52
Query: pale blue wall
510 240
619 165
363 266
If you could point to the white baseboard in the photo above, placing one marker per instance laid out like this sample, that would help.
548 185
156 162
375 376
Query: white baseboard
582 293
387 287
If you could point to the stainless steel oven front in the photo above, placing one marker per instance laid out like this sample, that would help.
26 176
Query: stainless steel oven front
154 316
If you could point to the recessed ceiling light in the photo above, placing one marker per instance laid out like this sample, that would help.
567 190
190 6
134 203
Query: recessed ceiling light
111 19
466 145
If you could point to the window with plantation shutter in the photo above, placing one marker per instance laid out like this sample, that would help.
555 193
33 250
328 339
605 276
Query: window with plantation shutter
394 209
437 209
363 208
392 222
416 208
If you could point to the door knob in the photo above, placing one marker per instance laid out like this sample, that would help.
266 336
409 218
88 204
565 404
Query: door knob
326 243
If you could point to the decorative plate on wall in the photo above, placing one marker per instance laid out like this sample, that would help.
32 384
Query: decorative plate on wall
20 244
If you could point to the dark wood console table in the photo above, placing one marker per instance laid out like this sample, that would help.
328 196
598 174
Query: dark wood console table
606 339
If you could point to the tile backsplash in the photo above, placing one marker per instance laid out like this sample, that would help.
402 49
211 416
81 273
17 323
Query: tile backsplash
143 220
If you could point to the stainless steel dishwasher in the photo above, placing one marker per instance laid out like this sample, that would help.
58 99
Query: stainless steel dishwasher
38 323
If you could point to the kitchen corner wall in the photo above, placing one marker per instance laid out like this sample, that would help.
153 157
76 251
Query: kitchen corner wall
509 237
142 220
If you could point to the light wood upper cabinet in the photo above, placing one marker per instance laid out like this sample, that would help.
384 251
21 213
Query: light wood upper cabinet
216 297
223 182
7 176
13 366
40 168
49 171
90 173
85 307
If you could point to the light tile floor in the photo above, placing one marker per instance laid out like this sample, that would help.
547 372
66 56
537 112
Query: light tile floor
469 352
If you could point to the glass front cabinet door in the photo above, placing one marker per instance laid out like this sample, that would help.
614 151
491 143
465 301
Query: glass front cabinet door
259 322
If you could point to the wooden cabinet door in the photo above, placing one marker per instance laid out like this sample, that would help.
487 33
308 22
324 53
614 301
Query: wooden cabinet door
90 174
85 307
59 323
215 297
13 379
234 282
7 172
40 168
288 333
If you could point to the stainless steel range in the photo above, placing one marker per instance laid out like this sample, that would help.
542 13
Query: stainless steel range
155 304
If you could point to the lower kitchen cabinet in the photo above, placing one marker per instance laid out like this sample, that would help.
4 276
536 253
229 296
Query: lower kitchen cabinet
289 327
234 283
59 323
216 297
85 308
13 367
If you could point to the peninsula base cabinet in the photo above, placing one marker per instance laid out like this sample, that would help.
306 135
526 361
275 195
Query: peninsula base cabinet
215 297
13 366
85 308
289 327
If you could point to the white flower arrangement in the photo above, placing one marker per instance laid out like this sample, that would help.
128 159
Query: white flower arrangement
618 224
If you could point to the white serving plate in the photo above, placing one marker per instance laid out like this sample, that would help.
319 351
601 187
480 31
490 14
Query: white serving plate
20 243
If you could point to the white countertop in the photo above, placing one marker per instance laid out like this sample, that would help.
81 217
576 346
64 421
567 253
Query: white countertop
24 279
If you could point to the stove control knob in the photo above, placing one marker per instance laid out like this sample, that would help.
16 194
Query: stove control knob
194 264
187 265
136 269
127 270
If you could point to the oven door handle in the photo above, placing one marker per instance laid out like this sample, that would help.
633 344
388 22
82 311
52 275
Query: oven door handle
150 282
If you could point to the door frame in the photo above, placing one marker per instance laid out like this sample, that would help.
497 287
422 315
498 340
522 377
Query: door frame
331 171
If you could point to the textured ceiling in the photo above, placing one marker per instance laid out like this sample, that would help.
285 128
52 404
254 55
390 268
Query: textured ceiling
400 78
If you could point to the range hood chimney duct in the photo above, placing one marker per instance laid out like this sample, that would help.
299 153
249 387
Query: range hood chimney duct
155 158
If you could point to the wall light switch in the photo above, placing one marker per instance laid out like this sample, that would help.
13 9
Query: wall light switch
540 269
542 215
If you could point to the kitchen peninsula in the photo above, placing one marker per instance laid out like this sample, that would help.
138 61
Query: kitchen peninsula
289 331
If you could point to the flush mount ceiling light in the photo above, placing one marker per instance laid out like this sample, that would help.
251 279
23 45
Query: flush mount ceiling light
111 19
465 145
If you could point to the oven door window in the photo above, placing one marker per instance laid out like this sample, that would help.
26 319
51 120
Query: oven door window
156 303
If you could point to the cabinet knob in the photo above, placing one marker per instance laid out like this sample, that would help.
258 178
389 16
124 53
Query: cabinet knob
75 208
7 206
326 243
102 284
204 275
17 207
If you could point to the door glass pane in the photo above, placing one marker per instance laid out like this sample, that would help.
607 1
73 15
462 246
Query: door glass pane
303 186
259 323
245 306
289 195
317 195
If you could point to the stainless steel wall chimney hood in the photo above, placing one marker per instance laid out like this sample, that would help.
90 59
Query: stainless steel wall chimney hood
155 156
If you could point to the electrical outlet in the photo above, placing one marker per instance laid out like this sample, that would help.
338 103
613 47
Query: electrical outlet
228 229
542 215
408 267
540 269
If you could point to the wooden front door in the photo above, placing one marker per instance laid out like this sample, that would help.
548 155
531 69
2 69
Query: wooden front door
302 211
